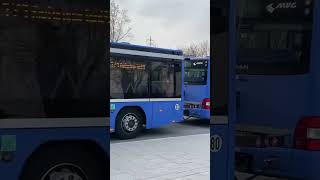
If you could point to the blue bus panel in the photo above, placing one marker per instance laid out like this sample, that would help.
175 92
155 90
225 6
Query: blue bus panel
146 87
161 112
24 142
278 88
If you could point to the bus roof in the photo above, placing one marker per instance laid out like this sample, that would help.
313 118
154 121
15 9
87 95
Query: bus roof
129 46
197 58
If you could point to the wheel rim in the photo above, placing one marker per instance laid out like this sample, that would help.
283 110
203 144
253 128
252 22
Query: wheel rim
130 122
65 171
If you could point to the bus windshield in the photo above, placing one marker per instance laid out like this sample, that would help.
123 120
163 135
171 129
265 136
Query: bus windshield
195 72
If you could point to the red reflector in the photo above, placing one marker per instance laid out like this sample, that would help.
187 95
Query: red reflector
305 134
206 103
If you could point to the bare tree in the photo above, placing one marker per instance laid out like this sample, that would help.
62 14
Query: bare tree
119 23
200 49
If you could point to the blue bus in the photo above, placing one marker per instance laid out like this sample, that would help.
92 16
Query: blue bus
197 87
278 85
54 90
146 87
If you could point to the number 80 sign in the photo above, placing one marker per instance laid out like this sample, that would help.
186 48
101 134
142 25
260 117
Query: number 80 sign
215 143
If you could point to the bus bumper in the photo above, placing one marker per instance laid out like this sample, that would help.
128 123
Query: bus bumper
277 162
305 164
198 113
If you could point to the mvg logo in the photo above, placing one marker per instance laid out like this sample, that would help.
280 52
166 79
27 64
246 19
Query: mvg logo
286 5
197 63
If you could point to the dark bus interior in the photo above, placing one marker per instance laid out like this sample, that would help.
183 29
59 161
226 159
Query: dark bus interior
53 59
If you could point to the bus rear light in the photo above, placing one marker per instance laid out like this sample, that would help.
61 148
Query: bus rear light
307 134
206 103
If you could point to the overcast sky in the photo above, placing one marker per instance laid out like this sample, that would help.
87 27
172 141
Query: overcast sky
171 23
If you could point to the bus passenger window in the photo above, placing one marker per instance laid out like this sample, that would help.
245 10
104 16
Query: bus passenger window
128 78
273 42
162 81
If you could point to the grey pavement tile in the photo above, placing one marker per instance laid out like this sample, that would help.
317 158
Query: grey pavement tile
167 158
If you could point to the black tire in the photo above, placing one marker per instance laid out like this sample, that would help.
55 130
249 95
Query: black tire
128 133
64 161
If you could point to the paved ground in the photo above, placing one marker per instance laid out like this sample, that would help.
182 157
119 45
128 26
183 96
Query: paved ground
179 158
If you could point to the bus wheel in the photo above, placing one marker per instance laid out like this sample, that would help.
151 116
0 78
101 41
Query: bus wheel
61 163
129 123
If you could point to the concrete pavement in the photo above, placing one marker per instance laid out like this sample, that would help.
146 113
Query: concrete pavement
174 158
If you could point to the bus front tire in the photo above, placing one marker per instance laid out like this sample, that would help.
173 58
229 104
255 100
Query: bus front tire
129 123
63 163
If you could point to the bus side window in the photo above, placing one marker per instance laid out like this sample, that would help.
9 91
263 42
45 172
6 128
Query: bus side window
164 80
275 43
129 78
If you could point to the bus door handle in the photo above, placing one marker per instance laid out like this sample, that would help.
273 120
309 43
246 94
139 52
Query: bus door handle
241 78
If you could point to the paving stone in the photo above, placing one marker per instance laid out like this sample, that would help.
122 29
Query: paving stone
184 157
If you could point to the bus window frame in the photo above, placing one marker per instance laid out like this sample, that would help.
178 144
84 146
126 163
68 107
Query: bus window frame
148 60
